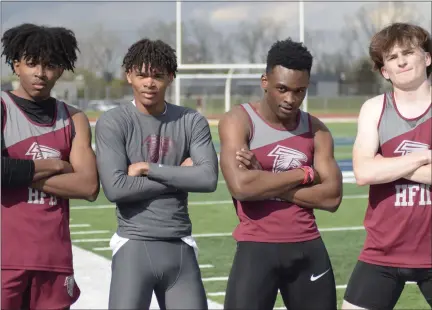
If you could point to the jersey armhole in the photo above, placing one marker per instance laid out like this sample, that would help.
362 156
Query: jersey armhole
382 110
310 123
70 120
3 115
251 124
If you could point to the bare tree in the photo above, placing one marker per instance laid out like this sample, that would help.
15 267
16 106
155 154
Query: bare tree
366 22
254 38
225 49
159 30
204 38
101 52
201 43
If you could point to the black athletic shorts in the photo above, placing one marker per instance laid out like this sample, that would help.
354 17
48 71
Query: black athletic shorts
301 271
379 287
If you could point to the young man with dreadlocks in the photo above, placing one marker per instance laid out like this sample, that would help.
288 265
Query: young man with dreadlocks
150 154
279 166
47 159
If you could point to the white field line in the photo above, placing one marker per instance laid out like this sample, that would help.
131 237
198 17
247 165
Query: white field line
338 287
195 203
79 225
107 248
350 228
211 235
91 240
89 232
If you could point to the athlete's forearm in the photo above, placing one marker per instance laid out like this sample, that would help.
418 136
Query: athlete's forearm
45 168
421 175
69 186
261 185
22 172
380 170
121 188
326 196
202 178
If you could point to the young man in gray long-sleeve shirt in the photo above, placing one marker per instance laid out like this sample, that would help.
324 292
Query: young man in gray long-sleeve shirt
150 154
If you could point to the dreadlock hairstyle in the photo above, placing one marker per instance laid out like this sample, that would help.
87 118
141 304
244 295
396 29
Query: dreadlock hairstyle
156 54
289 54
46 45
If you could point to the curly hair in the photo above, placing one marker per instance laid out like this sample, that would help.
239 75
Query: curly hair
55 46
156 54
289 54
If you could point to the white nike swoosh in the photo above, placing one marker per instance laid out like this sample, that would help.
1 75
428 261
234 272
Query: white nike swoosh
314 278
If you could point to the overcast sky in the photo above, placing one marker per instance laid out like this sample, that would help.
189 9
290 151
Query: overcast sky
124 18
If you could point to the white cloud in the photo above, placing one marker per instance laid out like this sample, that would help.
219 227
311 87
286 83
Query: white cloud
231 13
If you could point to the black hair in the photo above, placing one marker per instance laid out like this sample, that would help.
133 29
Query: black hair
289 54
156 54
47 45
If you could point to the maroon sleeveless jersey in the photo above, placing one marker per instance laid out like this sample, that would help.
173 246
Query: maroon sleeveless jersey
35 225
398 217
277 150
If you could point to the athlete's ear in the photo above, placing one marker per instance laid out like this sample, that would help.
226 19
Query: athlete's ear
428 59
16 66
384 73
128 76
60 72
264 82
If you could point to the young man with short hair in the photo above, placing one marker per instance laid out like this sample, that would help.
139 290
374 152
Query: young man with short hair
279 165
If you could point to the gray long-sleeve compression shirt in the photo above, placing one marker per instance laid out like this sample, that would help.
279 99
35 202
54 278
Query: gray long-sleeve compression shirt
154 207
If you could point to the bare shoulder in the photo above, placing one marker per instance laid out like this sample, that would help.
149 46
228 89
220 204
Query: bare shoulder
372 107
318 126
79 118
236 116
73 110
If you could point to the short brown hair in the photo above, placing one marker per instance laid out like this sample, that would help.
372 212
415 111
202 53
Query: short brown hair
403 34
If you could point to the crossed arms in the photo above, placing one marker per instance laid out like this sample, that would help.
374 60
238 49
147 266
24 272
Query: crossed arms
246 184
372 168
125 182
76 179
80 180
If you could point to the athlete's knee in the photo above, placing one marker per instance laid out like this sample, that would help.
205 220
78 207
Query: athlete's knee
349 306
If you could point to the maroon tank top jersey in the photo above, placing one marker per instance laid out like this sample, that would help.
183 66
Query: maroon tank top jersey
35 225
399 214
277 150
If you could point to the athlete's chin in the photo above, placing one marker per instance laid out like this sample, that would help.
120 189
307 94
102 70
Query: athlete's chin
149 102
39 93
408 83
284 114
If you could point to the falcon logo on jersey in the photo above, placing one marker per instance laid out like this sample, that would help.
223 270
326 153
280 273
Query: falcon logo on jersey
287 158
42 152
408 146
157 147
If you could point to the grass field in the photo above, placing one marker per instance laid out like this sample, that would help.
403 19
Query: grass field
94 223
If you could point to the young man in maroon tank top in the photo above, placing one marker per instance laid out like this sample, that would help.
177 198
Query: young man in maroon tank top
278 164
392 154
47 159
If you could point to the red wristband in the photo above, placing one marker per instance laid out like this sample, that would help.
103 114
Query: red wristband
309 175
